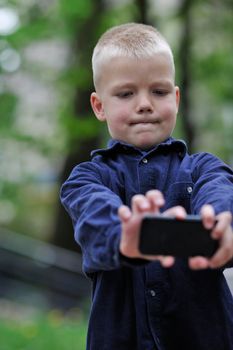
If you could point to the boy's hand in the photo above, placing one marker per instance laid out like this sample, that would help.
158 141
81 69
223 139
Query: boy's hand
222 231
151 204
131 222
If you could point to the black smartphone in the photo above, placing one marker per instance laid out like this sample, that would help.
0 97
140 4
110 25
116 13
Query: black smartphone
160 235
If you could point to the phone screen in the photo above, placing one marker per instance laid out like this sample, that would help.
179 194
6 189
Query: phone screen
181 238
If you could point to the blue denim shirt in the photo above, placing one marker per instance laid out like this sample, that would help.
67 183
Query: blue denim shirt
139 305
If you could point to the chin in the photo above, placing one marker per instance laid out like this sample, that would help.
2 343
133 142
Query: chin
147 142
145 145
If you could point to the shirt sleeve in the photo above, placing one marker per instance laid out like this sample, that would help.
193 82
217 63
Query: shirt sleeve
93 208
213 185
213 181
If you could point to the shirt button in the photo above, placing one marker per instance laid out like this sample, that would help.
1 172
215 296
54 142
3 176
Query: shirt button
145 160
189 189
152 293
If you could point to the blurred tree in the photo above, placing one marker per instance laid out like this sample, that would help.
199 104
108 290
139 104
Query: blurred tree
184 54
142 13
212 70
80 147
204 61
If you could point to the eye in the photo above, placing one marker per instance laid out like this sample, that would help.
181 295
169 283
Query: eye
160 92
125 94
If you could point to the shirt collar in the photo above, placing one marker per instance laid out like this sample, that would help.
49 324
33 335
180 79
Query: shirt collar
114 145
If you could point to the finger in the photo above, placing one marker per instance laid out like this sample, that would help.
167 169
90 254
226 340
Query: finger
178 212
140 204
225 252
156 200
208 216
124 213
223 221
198 263
167 261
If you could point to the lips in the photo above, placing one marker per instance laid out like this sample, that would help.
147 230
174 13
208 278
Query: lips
145 122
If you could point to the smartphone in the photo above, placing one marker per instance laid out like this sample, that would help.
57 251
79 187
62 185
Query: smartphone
161 235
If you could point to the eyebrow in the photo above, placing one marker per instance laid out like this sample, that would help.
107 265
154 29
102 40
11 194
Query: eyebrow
166 83
128 85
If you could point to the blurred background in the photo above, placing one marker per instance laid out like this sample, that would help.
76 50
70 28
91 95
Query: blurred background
47 127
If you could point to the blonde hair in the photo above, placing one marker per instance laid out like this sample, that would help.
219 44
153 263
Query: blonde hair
134 40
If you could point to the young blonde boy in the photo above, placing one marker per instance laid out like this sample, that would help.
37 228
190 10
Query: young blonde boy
148 302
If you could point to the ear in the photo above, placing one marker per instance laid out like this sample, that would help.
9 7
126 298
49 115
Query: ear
177 90
97 106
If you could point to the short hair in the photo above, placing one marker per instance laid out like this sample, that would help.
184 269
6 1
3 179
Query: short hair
133 40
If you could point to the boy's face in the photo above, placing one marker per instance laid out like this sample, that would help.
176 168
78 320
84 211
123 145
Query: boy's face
137 99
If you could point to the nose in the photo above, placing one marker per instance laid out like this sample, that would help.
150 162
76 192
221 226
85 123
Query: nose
144 104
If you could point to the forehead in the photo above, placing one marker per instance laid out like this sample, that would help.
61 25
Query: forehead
127 69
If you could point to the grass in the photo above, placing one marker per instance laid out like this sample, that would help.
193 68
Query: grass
45 332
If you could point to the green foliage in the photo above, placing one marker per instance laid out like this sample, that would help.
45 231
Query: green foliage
76 10
8 103
82 128
51 331
79 76
214 70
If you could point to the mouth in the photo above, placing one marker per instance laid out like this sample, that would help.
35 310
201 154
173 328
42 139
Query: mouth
145 122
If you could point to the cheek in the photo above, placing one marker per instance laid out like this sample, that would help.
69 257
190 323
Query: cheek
118 115
116 122
169 111
113 106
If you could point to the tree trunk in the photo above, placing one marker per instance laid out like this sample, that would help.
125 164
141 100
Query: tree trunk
185 73
142 6
80 150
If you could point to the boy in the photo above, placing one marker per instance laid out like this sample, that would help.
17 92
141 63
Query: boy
148 302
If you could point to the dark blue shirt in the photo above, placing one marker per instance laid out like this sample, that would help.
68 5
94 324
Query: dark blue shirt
138 305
